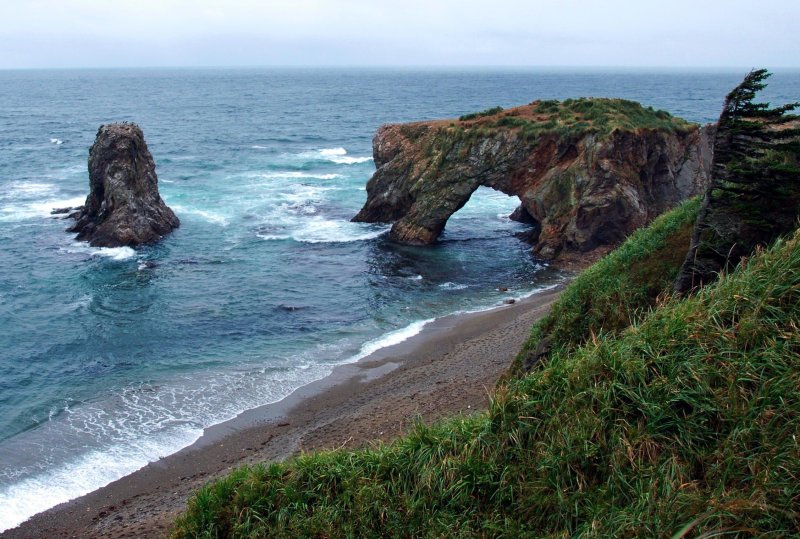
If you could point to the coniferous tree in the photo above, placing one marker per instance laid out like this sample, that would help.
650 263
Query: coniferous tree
754 195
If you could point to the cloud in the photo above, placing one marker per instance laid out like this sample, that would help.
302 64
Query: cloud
56 33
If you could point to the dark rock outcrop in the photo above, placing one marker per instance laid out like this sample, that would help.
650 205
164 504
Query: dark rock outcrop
588 172
123 206
754 194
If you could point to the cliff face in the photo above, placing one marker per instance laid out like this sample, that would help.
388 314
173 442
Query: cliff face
587 172
123 206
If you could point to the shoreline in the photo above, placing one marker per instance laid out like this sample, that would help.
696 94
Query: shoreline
449 367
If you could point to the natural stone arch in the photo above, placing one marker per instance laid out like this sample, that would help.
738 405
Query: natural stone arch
502 205
580 190
420 195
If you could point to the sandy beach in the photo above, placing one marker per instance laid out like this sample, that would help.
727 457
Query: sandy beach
450 368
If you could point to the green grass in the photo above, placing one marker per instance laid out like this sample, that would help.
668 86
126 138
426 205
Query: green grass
685 424
602 116
621 288
568 119
488 112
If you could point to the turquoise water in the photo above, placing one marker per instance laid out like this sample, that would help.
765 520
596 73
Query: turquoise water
117 357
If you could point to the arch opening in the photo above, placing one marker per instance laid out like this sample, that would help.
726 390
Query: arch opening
490 211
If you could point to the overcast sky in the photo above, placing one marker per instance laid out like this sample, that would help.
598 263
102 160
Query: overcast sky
676 33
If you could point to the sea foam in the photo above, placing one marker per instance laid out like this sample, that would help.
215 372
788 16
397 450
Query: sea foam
206 215
335 155
17 208
84 447
392 338
114 253
89 472
322 230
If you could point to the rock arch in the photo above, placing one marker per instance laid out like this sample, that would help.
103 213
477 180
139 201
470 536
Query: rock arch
581 191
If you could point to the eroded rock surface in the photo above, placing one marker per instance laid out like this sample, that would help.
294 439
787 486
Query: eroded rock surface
587 172
124 207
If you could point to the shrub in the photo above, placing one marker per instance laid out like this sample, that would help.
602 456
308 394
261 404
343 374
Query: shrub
488 112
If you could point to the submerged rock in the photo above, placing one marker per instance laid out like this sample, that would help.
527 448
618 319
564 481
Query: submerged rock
62 211
588 172
124 207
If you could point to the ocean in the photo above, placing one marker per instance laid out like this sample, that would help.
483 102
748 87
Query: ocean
113 358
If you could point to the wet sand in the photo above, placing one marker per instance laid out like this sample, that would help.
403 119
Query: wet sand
450 368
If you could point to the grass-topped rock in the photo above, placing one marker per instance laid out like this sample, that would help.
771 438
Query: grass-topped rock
588 172
600 116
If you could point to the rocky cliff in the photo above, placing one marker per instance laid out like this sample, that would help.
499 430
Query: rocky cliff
587 172
123 206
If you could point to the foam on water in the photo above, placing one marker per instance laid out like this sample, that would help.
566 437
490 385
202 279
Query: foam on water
453 286
95 469
348 160
391 338
114 253
330 231
26 190
84 447
321 230
334 155
18 209
209 216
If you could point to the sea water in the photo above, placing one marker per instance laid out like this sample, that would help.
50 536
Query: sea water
113 358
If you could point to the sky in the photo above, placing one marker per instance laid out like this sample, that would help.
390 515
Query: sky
533 33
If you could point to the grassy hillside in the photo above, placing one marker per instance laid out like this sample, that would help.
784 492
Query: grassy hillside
617 291
683 424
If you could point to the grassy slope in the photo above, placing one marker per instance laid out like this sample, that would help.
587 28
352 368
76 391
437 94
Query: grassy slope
621 288
684 423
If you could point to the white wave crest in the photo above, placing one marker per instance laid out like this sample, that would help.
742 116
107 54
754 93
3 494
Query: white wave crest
453 286
330 152
22 211
391 338
108 439
91 471
114 253
321 230
347 160
25 190
208 216
335 155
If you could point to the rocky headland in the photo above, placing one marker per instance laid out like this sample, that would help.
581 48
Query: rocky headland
123 207
588 172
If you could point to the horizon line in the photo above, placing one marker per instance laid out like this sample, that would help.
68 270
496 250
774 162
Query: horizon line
409 67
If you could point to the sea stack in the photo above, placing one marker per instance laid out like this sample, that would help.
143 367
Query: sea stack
124 207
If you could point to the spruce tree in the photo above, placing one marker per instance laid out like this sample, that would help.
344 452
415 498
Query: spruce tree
754 194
